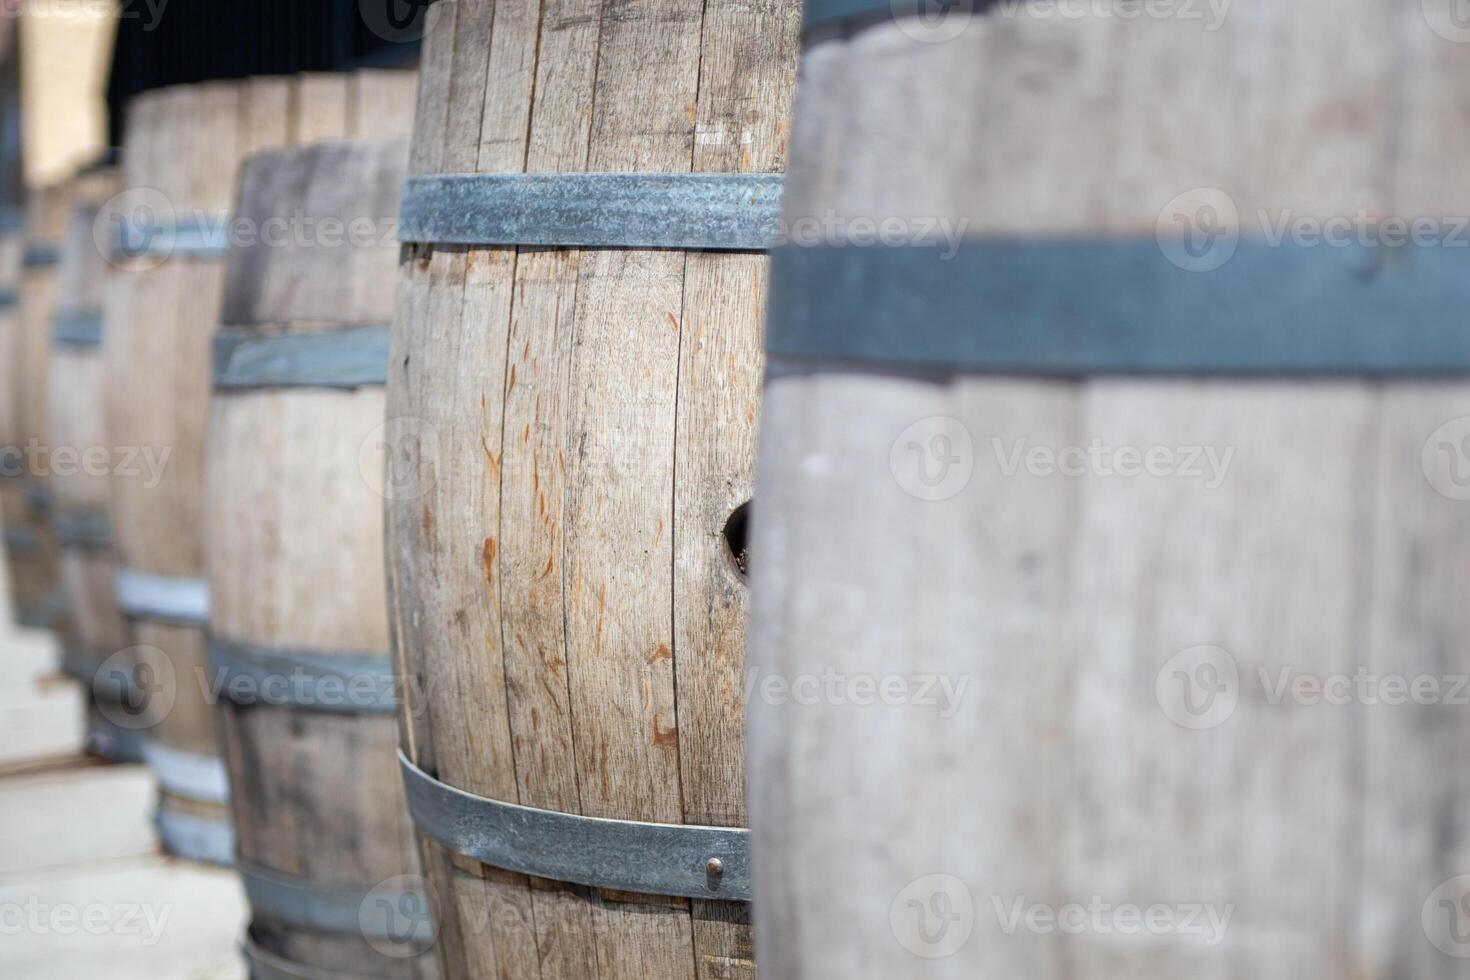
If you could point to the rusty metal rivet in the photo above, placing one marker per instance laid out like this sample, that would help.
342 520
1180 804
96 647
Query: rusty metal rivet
714 866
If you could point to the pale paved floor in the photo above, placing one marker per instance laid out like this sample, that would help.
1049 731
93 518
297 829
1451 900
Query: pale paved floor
84 892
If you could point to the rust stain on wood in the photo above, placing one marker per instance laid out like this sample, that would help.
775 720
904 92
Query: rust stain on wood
488 560
664 736
661 652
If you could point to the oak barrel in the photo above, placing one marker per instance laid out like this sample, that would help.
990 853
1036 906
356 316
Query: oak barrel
293 477
95 637
17 541
572 398
184 146
1097 513
31 545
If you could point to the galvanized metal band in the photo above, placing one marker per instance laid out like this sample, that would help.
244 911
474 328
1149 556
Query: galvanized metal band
113 742
85 665
22 539
1121 307
366 910
147 596
649 858
80 328
38 496
265 965
731 212
817 13
8 298
45 613
313 680
211 841
351 357
39 255
83 529
198 236
189 774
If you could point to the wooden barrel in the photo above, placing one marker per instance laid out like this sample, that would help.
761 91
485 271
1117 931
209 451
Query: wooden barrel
182 155
571 436
17 541
1100 513
80 469
30 543
293 483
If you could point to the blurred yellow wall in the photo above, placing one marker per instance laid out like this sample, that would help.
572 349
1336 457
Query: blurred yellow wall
66 53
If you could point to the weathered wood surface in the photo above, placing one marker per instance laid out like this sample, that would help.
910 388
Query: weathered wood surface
293 484
81 466
12 497
186 144
570 431
1062 602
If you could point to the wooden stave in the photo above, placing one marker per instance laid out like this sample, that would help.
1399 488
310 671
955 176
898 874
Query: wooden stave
95 628
159 529
485 912
1052 773
316 793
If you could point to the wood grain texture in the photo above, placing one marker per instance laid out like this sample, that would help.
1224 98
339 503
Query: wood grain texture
557 573
293 501
188 143
1065 602
82 460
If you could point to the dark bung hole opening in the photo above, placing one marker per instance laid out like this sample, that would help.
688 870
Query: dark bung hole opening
737 529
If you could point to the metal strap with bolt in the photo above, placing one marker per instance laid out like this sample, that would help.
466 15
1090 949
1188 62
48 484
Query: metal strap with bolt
622 855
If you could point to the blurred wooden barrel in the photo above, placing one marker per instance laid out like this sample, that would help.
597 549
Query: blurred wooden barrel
30 542
184 148
94 634
571 430
18 540
1114 499
293 482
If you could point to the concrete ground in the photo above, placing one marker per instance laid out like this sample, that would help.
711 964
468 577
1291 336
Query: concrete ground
84 890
